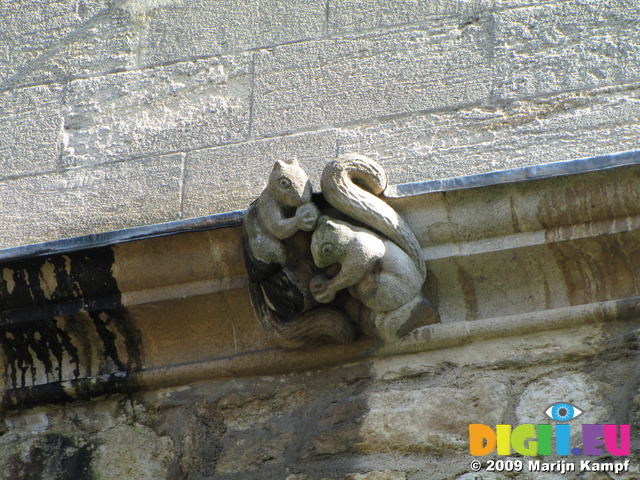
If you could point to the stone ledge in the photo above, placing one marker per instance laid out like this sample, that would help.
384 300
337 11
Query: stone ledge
165 305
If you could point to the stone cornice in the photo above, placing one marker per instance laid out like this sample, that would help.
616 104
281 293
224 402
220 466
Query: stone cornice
508 253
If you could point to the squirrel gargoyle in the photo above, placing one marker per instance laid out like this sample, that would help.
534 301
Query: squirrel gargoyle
363 271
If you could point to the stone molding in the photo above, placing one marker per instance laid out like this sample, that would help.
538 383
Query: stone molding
509 253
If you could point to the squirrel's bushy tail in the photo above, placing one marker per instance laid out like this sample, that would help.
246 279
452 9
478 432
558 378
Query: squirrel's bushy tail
352 183
322 324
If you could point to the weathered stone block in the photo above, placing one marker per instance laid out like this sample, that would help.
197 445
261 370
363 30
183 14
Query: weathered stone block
160 110
353 16
30 121
563 46
340 427
358 15
374 475
81 201
49 40
487 476
132 451
313 84
246 411
260 449
575 388
201 442
179 30
214 182
48 455
378 475
483 139
430 419
502 352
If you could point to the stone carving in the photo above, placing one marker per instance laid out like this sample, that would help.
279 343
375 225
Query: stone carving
280 266
315 277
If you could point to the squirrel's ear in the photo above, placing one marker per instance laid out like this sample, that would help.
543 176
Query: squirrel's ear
278 165
325 220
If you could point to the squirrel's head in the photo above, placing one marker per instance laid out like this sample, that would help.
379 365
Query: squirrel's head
289 184
328 241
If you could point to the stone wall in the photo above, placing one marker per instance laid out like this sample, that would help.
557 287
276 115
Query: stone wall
123 113
397 418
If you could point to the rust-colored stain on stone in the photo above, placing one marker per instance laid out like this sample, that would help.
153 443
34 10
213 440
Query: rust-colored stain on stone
591 228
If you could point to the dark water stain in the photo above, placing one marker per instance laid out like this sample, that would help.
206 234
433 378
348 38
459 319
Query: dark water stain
61 319
467 285
54 457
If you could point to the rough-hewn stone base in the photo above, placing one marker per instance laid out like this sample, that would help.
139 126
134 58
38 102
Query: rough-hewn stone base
399 418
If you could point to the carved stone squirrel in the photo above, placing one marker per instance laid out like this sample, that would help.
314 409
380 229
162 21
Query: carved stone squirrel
369 270
279 263
381 265
283 208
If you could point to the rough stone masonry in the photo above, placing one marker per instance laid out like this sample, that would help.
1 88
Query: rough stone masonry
119 113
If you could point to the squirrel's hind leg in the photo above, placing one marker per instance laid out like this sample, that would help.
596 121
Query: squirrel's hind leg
419 312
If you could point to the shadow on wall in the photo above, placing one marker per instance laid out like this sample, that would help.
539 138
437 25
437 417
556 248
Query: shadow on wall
397 418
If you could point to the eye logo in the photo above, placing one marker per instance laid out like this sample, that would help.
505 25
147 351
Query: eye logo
562 412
